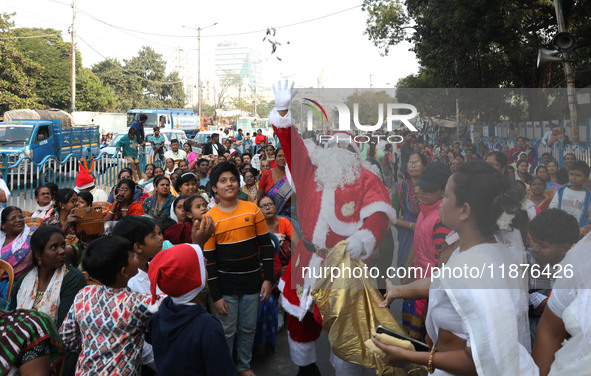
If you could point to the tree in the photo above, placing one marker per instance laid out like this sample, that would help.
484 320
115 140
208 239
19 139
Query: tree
16 71
480 43
368 105
142 82
52 84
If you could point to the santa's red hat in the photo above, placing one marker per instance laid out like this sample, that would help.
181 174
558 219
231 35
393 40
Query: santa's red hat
179 272
84 180
343 139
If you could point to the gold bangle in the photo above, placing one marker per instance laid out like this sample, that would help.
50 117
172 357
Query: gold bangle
430 367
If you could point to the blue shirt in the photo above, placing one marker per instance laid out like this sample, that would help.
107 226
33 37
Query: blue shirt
139 130
157 141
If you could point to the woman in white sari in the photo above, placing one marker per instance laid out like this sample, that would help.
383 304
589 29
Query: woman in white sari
476 320
563 339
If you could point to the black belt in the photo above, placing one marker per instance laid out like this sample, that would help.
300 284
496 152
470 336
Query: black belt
312 248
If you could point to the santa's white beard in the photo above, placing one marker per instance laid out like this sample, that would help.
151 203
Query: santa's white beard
337 167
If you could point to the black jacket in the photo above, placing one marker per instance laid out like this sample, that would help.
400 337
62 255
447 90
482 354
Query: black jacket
208 148
188 341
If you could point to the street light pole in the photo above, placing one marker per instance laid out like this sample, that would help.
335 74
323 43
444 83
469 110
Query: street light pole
570 78
199 64
199 74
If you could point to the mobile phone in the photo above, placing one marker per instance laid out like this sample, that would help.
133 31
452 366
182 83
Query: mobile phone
419 346
120 198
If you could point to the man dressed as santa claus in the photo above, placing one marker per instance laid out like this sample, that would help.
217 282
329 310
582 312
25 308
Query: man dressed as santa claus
339 197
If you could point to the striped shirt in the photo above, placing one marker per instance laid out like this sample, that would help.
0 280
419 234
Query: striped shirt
235 251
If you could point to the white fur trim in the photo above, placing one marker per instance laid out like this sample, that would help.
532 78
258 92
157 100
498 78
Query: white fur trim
302 353
279 121
368 241
344 368
376 207
153 308
327 219
292 309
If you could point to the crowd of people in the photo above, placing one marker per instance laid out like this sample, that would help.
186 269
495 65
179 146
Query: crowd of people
199 262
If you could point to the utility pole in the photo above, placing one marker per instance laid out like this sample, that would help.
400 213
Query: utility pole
73 60
199 75
199 64
569 76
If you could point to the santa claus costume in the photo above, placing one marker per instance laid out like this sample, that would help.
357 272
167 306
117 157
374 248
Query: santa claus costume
340 198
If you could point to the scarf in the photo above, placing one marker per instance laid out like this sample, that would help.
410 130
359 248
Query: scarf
51 298
18 242
42 211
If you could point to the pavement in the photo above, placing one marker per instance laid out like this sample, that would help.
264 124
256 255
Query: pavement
280 364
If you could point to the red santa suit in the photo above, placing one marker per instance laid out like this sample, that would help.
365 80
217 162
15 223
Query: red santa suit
339 198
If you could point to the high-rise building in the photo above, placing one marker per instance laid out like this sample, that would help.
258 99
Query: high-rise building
242 63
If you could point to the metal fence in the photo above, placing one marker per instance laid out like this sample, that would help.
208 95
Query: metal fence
23 175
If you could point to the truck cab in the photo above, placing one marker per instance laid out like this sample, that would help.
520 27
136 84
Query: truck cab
173 119
32 138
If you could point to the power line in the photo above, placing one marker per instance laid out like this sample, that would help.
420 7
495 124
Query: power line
128 72
212 35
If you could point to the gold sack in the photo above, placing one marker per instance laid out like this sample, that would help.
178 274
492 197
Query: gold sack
349 309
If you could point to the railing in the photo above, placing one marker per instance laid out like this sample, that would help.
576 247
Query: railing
557 151
24 175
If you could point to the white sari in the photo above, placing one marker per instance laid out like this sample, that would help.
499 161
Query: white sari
571 301
493 312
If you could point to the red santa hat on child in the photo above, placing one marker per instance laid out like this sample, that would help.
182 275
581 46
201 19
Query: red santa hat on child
84 180
344 140
179 272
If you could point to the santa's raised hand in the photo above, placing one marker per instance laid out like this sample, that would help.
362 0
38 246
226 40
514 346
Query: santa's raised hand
284 94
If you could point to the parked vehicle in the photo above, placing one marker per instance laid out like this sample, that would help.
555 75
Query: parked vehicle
173 119
108 122
39 133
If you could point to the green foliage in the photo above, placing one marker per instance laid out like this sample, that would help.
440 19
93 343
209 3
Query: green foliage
142 82
368 102
16 72
16 83
482 43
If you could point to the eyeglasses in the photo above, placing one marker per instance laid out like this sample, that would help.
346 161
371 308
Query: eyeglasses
249 177
17 218
264 206
124 190
414 164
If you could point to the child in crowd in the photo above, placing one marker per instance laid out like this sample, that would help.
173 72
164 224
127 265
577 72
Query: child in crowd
575 199
145 235
106 322
157 141
85 199
128 146
177 213
194 208
187 340
234 264
552 233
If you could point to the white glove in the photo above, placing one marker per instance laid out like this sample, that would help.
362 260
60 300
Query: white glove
355 248
283 94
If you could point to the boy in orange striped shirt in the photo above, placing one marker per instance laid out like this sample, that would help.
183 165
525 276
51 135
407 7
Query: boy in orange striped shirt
234 253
